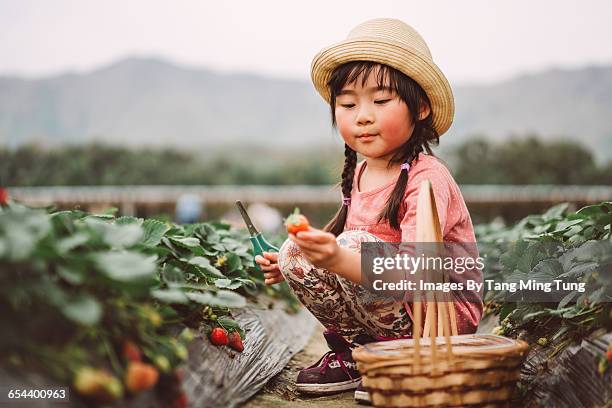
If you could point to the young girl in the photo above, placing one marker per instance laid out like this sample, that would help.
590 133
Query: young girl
389 102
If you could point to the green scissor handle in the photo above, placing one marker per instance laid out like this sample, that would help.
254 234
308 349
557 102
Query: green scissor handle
260 244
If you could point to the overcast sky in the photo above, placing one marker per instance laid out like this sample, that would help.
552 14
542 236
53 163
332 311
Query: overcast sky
472 41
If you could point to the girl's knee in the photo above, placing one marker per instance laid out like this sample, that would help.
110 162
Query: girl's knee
352 239
291 261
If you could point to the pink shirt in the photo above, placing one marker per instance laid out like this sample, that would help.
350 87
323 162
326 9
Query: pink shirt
455 220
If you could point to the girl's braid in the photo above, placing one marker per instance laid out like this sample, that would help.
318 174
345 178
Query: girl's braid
348 173
336 225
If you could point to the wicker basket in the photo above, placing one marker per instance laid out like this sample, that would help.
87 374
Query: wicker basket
481 370
456 370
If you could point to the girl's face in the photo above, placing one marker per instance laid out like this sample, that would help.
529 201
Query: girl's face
373 121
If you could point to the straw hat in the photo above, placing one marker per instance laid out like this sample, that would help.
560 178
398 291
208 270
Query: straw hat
391 42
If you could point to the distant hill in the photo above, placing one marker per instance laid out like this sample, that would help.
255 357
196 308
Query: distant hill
573 104
150 102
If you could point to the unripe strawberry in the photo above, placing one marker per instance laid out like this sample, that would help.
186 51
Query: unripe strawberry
602 366
154 317
131 351
97 384
86 381
218 336
181 351
140 376
186 335
235 341
162 363
113 388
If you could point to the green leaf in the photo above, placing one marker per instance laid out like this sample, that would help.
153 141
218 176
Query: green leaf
562 226
556 211
23 229
591 211
596 296
111 211
196 286
172 274
69 275
228 323
219 247
220 225
67 244
125 220
233 262
85 310
3 248
187 242
566 299
125 266
100 217
546 270
170 296
209 233
530 316
115 236
230 299
204 263
223 298
506 309
247 282
204 298
227 283
154 230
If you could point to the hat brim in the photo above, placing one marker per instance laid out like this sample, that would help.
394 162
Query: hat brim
396 55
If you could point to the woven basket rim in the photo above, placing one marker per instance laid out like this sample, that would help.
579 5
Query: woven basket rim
462 345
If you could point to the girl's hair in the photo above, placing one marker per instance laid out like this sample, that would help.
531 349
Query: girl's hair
422 136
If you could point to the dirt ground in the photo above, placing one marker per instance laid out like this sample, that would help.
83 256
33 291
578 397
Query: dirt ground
280 390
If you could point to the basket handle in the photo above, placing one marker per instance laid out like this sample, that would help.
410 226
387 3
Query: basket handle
440 315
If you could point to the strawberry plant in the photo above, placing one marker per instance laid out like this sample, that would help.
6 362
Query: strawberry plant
555 245
106 304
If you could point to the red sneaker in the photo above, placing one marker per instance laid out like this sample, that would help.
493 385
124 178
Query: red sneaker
335 371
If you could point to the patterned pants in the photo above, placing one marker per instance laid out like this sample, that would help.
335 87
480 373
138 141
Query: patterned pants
339 304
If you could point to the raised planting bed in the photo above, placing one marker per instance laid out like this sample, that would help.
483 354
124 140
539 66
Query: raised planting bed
121 310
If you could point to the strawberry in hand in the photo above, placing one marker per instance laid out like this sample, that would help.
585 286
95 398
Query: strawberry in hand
296 222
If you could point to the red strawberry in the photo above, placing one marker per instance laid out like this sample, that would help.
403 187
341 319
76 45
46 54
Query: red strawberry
3 196
235 341
218 336
296 222
140 376
609 354
131 351
180 401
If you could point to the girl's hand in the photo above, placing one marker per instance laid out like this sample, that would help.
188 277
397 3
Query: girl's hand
269 264
318 246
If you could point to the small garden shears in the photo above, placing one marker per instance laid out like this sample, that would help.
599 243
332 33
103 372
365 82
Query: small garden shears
260 244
